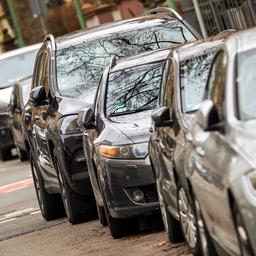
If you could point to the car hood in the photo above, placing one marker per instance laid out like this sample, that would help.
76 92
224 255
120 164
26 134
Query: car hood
245 138
134 126
70 106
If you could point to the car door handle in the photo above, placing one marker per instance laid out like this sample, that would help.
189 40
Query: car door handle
37 117
200 151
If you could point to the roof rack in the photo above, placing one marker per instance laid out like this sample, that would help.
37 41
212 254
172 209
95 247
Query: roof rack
165 10
50 38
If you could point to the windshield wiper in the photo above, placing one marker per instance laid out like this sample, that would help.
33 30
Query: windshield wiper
128 112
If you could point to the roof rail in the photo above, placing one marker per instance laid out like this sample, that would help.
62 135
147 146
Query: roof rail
50 38
166 10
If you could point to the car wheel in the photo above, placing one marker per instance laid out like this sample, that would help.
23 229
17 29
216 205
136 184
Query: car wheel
102 216
171 225
244 243
207 247
5 154
51 205
22 154
188 220
78 208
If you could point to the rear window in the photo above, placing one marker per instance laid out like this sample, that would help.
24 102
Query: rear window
79 68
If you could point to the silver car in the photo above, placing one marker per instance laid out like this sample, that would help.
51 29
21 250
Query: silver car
220 160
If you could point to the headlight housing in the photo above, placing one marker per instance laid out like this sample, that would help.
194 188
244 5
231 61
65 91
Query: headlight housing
70 125
131 151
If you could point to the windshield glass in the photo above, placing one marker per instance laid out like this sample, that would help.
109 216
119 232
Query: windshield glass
134 89
5 97
16 67
194 75
246 85
79 68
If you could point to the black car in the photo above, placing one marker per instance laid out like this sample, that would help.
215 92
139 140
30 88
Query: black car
14 65
19 98
66 75
179 99
6 140
116 140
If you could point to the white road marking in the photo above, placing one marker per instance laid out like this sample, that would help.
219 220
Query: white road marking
17 214
4 221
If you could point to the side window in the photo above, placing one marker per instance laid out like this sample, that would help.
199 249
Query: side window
217 83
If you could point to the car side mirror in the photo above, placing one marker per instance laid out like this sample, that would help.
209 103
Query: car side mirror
38 96
161 117
86 119
207 117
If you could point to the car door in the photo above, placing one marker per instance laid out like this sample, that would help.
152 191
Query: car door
40 118
165 143
213 153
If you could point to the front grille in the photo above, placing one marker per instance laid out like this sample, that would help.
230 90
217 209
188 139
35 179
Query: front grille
78 163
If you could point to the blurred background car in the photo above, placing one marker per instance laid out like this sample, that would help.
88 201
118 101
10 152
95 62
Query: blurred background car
20 96
65 80
116 140
220 160
14 65
180 96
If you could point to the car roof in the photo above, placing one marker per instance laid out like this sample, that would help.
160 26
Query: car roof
19 51
101 31
245 40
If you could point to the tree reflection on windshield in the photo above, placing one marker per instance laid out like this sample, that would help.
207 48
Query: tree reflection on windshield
134 89
79 67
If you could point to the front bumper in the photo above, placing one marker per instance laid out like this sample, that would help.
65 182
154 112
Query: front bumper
120 178
6 139
72 162
246 201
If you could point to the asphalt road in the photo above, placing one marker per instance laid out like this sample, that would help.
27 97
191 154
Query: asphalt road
23 231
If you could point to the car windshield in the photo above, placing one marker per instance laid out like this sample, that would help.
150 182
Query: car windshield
246 85
16 67
5 97
194 75
79 68
133 89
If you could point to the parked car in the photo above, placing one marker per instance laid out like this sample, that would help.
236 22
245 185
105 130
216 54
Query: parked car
14 65
6 140
66 75
180 97
220 160
116 140
20 96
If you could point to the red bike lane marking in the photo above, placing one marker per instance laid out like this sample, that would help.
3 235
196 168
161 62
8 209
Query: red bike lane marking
16 186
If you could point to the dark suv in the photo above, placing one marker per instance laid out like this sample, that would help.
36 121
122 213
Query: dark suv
180 97
19 98
66 75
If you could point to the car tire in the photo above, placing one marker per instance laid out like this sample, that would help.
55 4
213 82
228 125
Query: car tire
188 223
244 243
5 154
78 208
121 227
172 226
102 215
207 247
51 205
22 154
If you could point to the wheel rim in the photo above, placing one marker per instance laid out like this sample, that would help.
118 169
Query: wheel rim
242 236
187 218
201 229
162 206
63 192
37 186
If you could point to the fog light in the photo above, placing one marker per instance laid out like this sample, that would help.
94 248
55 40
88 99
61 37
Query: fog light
137 195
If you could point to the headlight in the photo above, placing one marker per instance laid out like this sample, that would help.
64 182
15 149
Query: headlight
69 125
131 151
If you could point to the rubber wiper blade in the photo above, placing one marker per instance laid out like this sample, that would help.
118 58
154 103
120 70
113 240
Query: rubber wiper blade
128 112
